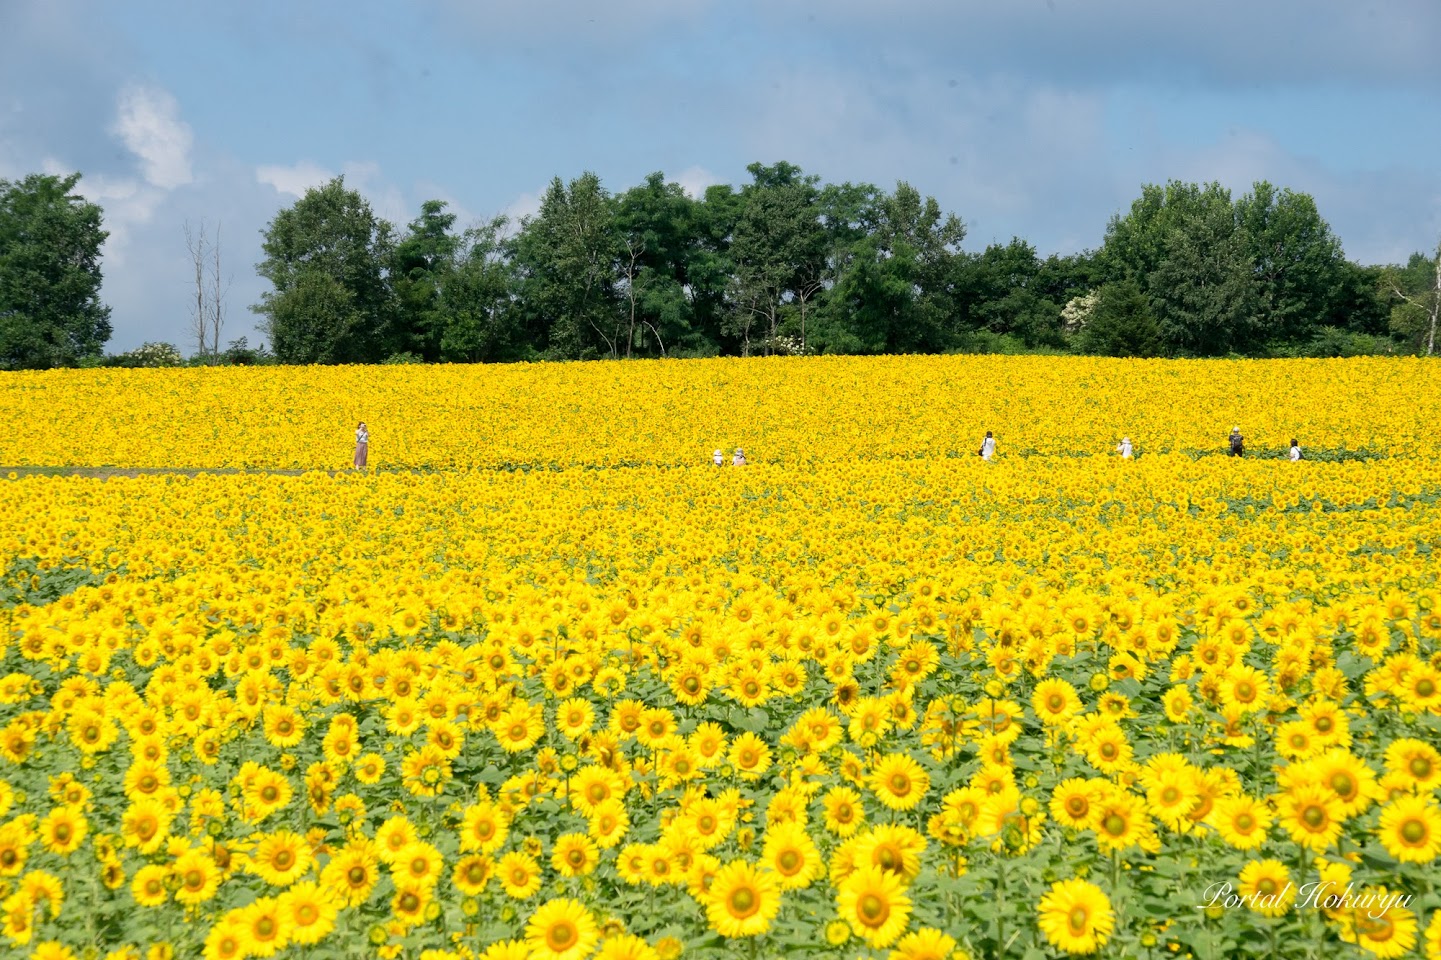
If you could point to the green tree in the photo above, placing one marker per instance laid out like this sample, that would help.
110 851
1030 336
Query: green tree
1300 270
50 309
566 257
777 246
1416 293
420 266
1203 291
326 257
477 300
1120 324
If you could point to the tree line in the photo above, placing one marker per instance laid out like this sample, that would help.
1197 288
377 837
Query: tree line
784 264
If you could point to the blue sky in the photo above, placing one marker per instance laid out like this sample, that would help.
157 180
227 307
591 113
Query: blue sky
1036 118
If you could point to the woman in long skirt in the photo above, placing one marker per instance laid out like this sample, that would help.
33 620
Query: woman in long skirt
362 445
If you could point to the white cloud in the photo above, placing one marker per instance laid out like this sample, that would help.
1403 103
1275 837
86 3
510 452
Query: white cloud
148 123
694 180
525 205
295 179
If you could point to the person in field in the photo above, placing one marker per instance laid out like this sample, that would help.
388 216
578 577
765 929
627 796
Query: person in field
988 447
1295 451
1124 448
739 460
717 459
362 445
1238 446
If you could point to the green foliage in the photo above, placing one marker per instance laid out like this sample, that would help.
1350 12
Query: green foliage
50 309
326 257
1121 324
1335 342
148 355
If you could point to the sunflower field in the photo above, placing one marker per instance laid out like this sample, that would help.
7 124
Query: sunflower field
544 683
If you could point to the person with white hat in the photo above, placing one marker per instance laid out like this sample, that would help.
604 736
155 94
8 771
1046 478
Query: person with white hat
739 460
1124 448
717 459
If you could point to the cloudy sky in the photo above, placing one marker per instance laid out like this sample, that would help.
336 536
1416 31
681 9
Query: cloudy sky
1036 118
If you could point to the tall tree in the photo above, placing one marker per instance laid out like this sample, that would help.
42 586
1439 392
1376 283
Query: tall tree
566 257
326 258
477 299
778 240
207 315
1203 291
420 265
50 309
1120 323
1300 270
1416 289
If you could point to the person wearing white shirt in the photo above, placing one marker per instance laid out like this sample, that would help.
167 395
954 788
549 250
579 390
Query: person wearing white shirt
362 445
988 447
1295 451
1124 448
717 459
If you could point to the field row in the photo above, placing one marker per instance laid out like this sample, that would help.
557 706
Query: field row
889 708
781 410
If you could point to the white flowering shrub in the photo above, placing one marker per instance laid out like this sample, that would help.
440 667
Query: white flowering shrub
1078 310
150 355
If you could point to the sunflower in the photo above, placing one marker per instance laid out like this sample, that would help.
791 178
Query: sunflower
574 855
198 877
484 828
283 726
1266 887
1076 916
844 814
418 865
742 900
561 930
1242 821
1417 761
472 873
352 873
519 875
148 886
874 903
1071 803
1107 749
1378 923
898 781
146 825
789 851
926 943
1119 820
1055 702
393 836
264 928
1410 829
750 755
1312 816
63 830
281 858
226 940
369 769
1347 776
409 905
309 912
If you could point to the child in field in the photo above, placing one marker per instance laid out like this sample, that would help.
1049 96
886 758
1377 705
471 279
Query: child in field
716 458
1295 451
739 460
1238 446
1124 448
988 447
362 445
